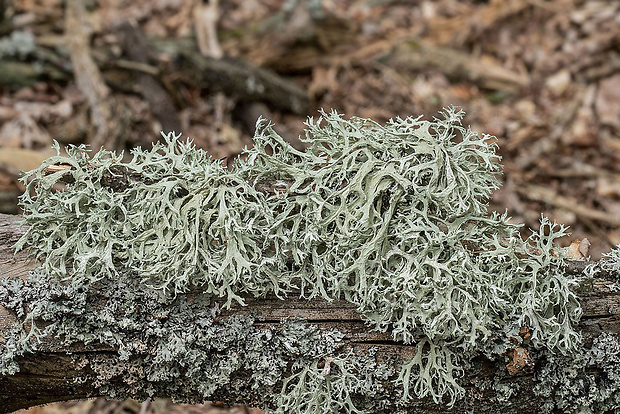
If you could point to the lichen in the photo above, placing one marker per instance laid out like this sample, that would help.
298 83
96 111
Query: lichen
182 347
610 262
19 44
329 385
393 219
585 382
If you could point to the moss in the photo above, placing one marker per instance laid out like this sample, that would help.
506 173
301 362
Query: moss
390 218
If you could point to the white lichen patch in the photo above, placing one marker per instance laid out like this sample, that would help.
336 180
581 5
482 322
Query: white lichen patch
390 218
586 382
611 262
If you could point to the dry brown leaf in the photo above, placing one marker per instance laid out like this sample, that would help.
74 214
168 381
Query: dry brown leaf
7 113
559 82
520 361
20 159
578 249
608 101
23 131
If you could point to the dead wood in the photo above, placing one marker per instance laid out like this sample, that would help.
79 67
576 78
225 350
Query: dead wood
89 79
410 54
136 47
52 372
548 196
236 78
96 72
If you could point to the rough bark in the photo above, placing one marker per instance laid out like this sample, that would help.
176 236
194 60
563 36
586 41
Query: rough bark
50 373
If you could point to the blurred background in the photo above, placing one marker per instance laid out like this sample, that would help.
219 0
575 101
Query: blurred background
542 76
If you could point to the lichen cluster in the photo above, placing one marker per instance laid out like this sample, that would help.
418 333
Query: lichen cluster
181 346
586 382
611 262
19 43
390 218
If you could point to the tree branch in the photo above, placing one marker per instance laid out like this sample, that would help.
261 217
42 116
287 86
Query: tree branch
236 78
56 372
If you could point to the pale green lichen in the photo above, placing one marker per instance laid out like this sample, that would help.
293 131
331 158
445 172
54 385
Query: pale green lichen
610 262
432 372
19 44
391 218
181 347
331 388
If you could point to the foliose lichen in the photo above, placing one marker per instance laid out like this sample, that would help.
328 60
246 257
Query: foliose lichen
393 219
180 346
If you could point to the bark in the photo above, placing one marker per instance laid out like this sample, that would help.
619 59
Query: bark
236 78
137 48
51 373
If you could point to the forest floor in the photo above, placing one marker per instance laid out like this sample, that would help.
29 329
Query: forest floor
542 77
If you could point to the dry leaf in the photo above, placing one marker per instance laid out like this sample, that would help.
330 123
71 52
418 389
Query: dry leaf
520 361
578 249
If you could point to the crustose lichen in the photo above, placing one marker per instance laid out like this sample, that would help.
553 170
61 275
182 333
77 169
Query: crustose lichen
391 218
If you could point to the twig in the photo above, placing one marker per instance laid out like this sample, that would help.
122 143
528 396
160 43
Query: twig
546 195
145 405
87 75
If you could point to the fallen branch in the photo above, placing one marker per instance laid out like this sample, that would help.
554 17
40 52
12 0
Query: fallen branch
89 79
548 196
236 78
411 56
55 372
137 48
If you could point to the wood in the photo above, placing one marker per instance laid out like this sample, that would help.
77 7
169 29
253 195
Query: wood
139 51
89 79
184 64
548 196
407 53
48 375
236 78
413 56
